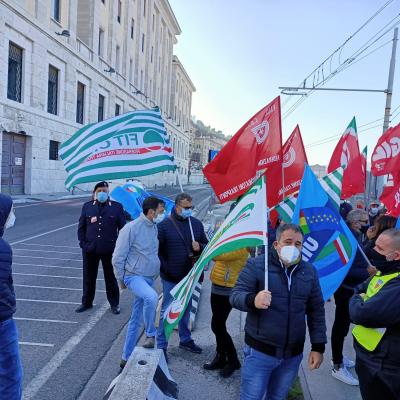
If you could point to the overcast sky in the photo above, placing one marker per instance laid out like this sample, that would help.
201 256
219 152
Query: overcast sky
238 52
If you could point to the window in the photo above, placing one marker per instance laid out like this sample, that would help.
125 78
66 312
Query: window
151 54
101 42
117 58
141 80
154 22
151 89
117 109
55 9
119 11
52 90
130 69
142 42
144 7
80 101
159 63
14 87
100 110
132 28
53 150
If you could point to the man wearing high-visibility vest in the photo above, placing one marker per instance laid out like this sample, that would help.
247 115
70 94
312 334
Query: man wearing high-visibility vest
375 309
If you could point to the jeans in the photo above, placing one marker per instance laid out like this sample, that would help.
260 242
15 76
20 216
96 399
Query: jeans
264 375
144 309
10 363
183 327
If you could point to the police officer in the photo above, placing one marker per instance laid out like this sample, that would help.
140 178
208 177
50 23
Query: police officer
99 224
375 310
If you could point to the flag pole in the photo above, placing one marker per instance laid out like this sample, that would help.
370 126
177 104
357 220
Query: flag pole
265 212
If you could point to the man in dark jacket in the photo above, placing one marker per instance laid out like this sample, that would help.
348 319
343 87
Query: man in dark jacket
276 317
357 274
181 239
100 221
376 311
10 364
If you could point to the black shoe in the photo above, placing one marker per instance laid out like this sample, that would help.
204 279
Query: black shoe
116 310
218 362
191 346
230 368
83 307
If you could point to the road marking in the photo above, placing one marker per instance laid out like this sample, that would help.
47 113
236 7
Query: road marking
52 258
45 202
49 301
55 362
43 234
47 266
36 344
51 245
52 276
49 251
55 288
44 320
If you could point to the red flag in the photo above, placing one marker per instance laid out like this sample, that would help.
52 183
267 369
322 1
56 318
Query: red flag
386 155
254 148
347 154
390 196
294 157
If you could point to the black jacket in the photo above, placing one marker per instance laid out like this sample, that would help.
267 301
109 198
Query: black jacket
280 330
7 295
99 225
380 311
173 250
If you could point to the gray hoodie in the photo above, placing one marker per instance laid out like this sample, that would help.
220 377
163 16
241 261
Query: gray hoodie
136 250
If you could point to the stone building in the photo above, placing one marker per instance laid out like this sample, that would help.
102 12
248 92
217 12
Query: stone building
67 63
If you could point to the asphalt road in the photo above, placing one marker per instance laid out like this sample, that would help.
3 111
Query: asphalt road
60 349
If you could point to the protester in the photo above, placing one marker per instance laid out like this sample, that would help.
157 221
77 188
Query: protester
178 250
360 205
223 277
100 221
373 211
276 317
345 208
137 266
10 364
358 272
376 311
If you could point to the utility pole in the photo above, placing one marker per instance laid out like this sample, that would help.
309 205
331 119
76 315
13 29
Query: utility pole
378 181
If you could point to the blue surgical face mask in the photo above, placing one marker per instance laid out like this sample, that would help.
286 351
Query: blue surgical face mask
102 197
159 218
186 213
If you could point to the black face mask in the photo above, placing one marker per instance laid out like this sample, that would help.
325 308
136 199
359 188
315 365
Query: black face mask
379 261
364 228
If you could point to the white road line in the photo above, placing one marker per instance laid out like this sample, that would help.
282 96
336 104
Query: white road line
52 276
52 258
56 321
49 251
55 288
46 266
39 203
43 234
55 362
49 301
51 245
36 344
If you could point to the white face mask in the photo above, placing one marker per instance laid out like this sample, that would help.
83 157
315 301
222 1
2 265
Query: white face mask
10 220
289 254
159 218
374 210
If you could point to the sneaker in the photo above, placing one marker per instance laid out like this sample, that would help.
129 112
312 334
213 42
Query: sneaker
191 346
83 308
149 343
344 375
346 362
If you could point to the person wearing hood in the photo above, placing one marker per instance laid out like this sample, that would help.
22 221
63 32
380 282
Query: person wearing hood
375 309
275 329
100 221
10 363
182 239
373 211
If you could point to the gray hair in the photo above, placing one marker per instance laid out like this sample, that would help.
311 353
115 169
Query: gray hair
394 234
356 216
288 227
182 196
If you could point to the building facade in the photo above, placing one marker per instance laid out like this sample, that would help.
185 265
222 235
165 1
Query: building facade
67 63
201 147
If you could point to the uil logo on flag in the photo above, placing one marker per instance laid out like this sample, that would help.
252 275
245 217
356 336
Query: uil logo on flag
345 157
260 131
289 158
387 150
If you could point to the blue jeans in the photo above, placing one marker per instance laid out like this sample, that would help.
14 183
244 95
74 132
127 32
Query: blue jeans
144 309
10 363
263 375
183 327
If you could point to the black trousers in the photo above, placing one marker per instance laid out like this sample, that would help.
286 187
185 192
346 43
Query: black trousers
341 326
221 308
90 269
382 384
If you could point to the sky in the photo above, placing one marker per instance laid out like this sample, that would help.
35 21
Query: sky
238 52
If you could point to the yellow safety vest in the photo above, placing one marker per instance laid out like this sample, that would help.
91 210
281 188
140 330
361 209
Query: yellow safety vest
369 338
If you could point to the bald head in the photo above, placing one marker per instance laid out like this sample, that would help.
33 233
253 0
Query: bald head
388 244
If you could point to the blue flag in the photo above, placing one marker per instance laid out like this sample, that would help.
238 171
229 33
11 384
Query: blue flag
328 244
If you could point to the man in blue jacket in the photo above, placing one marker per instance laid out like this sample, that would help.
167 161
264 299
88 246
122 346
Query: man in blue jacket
181 239
10 364
100 221
276 317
